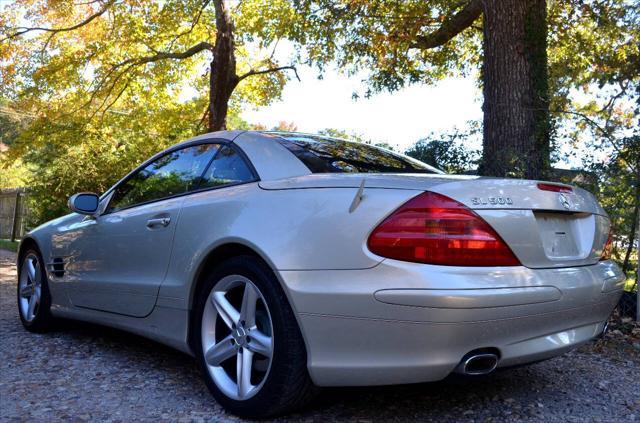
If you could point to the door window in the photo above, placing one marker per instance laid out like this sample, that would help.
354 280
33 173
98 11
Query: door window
227 168
174 173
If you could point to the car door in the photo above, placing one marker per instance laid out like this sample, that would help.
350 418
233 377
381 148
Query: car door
121 258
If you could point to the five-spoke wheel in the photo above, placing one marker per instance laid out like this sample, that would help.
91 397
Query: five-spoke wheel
30 287
237 324
34 300
248 343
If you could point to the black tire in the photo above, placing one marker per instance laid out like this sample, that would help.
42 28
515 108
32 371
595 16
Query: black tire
43 320
288 386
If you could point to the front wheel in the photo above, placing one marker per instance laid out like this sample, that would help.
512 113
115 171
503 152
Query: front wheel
249 345
34 299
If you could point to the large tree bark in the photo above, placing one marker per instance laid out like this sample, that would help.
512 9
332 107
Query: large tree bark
515 88
627 257
634 224
515 82
222 77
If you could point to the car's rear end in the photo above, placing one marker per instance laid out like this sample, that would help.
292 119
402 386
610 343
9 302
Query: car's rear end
468 274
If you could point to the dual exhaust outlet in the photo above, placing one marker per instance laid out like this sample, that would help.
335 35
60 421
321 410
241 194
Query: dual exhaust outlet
477 363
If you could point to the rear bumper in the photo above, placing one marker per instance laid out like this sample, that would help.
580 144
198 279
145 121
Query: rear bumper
404 322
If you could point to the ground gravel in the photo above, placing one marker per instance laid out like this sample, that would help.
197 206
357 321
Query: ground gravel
84 372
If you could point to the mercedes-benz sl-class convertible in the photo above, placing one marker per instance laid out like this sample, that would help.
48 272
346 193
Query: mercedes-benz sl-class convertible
285 262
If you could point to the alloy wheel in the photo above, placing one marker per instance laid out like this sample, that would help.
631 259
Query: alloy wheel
237 337
30 287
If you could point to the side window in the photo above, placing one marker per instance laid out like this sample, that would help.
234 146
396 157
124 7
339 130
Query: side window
228 167
174 173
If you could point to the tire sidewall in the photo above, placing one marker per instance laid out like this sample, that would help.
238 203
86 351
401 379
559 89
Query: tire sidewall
282 320
42 321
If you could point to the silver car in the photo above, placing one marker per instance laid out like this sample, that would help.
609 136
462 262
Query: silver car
285 262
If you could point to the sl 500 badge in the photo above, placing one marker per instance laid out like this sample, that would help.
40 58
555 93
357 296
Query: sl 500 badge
492 201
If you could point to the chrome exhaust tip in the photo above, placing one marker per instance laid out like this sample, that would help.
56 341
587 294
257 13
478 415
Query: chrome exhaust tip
478 364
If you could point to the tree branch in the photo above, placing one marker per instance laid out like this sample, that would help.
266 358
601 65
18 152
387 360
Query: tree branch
604 131
126 85
203 45
131 64
203 119
223 19
269 70
23 30
195 22
451 27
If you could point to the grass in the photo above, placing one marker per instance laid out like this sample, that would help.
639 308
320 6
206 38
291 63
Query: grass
5 244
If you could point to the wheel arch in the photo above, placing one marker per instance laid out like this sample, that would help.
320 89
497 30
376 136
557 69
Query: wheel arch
216 256
26 243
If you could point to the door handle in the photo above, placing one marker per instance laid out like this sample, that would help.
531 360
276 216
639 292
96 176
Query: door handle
160 221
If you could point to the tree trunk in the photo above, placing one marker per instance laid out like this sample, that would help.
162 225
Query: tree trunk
627 256
635 223
222 77
515 88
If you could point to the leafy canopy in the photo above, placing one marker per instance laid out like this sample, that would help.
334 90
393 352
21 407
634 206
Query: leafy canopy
100 86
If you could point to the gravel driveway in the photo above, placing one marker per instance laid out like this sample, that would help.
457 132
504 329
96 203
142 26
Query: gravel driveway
85 372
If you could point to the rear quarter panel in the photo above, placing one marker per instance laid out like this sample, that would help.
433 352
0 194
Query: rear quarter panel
296 229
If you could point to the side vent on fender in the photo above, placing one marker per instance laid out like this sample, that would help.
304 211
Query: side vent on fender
56 267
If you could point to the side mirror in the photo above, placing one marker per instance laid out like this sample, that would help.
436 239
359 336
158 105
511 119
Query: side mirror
84 203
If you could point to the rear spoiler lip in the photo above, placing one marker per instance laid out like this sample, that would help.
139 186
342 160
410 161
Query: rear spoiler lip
488 193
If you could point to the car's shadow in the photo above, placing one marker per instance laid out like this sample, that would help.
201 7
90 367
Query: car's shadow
453 398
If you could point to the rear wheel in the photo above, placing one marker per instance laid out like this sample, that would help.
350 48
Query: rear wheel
34 299
249 346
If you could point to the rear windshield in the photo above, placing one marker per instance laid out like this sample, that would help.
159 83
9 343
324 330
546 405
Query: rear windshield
332 155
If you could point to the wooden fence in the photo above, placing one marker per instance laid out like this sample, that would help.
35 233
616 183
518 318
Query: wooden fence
14 213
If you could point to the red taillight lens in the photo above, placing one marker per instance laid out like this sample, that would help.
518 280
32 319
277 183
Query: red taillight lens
435 229
608 246
554 187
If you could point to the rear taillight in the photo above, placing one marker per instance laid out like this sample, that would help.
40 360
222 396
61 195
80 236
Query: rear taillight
553 187
435 229
608 246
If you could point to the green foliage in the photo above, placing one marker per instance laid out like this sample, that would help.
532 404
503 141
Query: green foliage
375 36
345 135
5 244
352 136
13 173
72 155
126 47
592 43
448 151
92 100
593 49
11 124
619 192
589 42
594 66
444 155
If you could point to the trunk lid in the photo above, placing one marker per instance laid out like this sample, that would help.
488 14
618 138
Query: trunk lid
543 228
